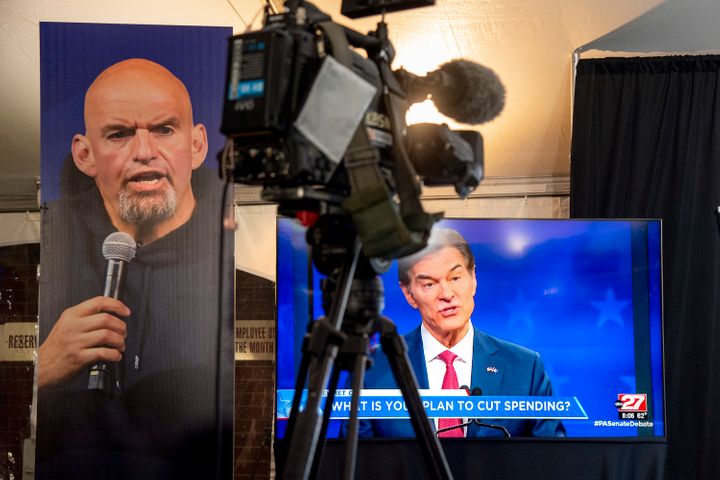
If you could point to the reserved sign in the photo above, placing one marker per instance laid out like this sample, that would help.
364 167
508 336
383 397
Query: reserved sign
19 341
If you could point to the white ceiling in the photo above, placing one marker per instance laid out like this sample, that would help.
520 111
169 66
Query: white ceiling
529 43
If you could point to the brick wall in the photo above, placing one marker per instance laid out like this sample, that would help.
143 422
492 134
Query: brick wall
18 303
254 384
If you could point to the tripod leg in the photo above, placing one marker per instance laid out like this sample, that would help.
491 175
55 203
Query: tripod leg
332 386
316 337
396 351
353 358
306 432
358 375
297 396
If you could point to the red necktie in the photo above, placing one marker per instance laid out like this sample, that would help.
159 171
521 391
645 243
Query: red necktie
449 381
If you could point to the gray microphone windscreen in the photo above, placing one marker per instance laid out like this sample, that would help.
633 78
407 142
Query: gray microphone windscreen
479 94
119 246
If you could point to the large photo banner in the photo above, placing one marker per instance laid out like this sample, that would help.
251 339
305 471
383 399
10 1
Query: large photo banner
135 357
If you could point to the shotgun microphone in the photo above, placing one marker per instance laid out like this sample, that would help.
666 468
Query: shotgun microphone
118 249
460 89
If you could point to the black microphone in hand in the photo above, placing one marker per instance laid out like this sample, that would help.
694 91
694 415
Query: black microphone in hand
118 249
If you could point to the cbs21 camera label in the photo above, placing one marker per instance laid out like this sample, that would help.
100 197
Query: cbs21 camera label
632 406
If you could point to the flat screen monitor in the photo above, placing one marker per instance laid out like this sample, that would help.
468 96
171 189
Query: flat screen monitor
585 294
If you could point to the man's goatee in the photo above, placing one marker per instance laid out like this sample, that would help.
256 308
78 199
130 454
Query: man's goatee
146 209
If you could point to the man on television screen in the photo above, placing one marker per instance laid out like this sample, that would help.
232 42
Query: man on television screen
136 170
447 351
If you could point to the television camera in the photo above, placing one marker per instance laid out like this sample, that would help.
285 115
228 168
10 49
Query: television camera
322 128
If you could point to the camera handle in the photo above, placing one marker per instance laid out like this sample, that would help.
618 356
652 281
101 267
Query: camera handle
303 445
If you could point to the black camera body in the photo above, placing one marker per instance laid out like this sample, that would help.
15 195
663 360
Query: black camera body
269 74
285 86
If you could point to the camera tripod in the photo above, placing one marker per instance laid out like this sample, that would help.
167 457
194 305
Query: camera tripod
339 342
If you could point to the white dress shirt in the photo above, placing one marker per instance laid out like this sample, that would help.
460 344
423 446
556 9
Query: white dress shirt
436 367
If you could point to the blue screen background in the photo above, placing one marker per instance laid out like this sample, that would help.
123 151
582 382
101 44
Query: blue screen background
585 294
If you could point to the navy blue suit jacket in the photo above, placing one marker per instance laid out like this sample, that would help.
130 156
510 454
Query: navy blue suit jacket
499 368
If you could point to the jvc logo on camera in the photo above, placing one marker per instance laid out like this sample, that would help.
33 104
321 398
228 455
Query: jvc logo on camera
244 106
632 405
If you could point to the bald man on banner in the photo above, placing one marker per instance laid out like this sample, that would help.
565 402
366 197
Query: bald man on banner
136 170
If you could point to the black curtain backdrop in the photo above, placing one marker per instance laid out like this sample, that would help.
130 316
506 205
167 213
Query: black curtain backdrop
646 143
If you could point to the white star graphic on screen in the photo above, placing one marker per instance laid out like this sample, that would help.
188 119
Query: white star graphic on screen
521 311
610 309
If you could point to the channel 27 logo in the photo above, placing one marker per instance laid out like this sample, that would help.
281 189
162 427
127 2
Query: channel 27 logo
632 406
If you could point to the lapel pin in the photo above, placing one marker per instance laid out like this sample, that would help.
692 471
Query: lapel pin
492 369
